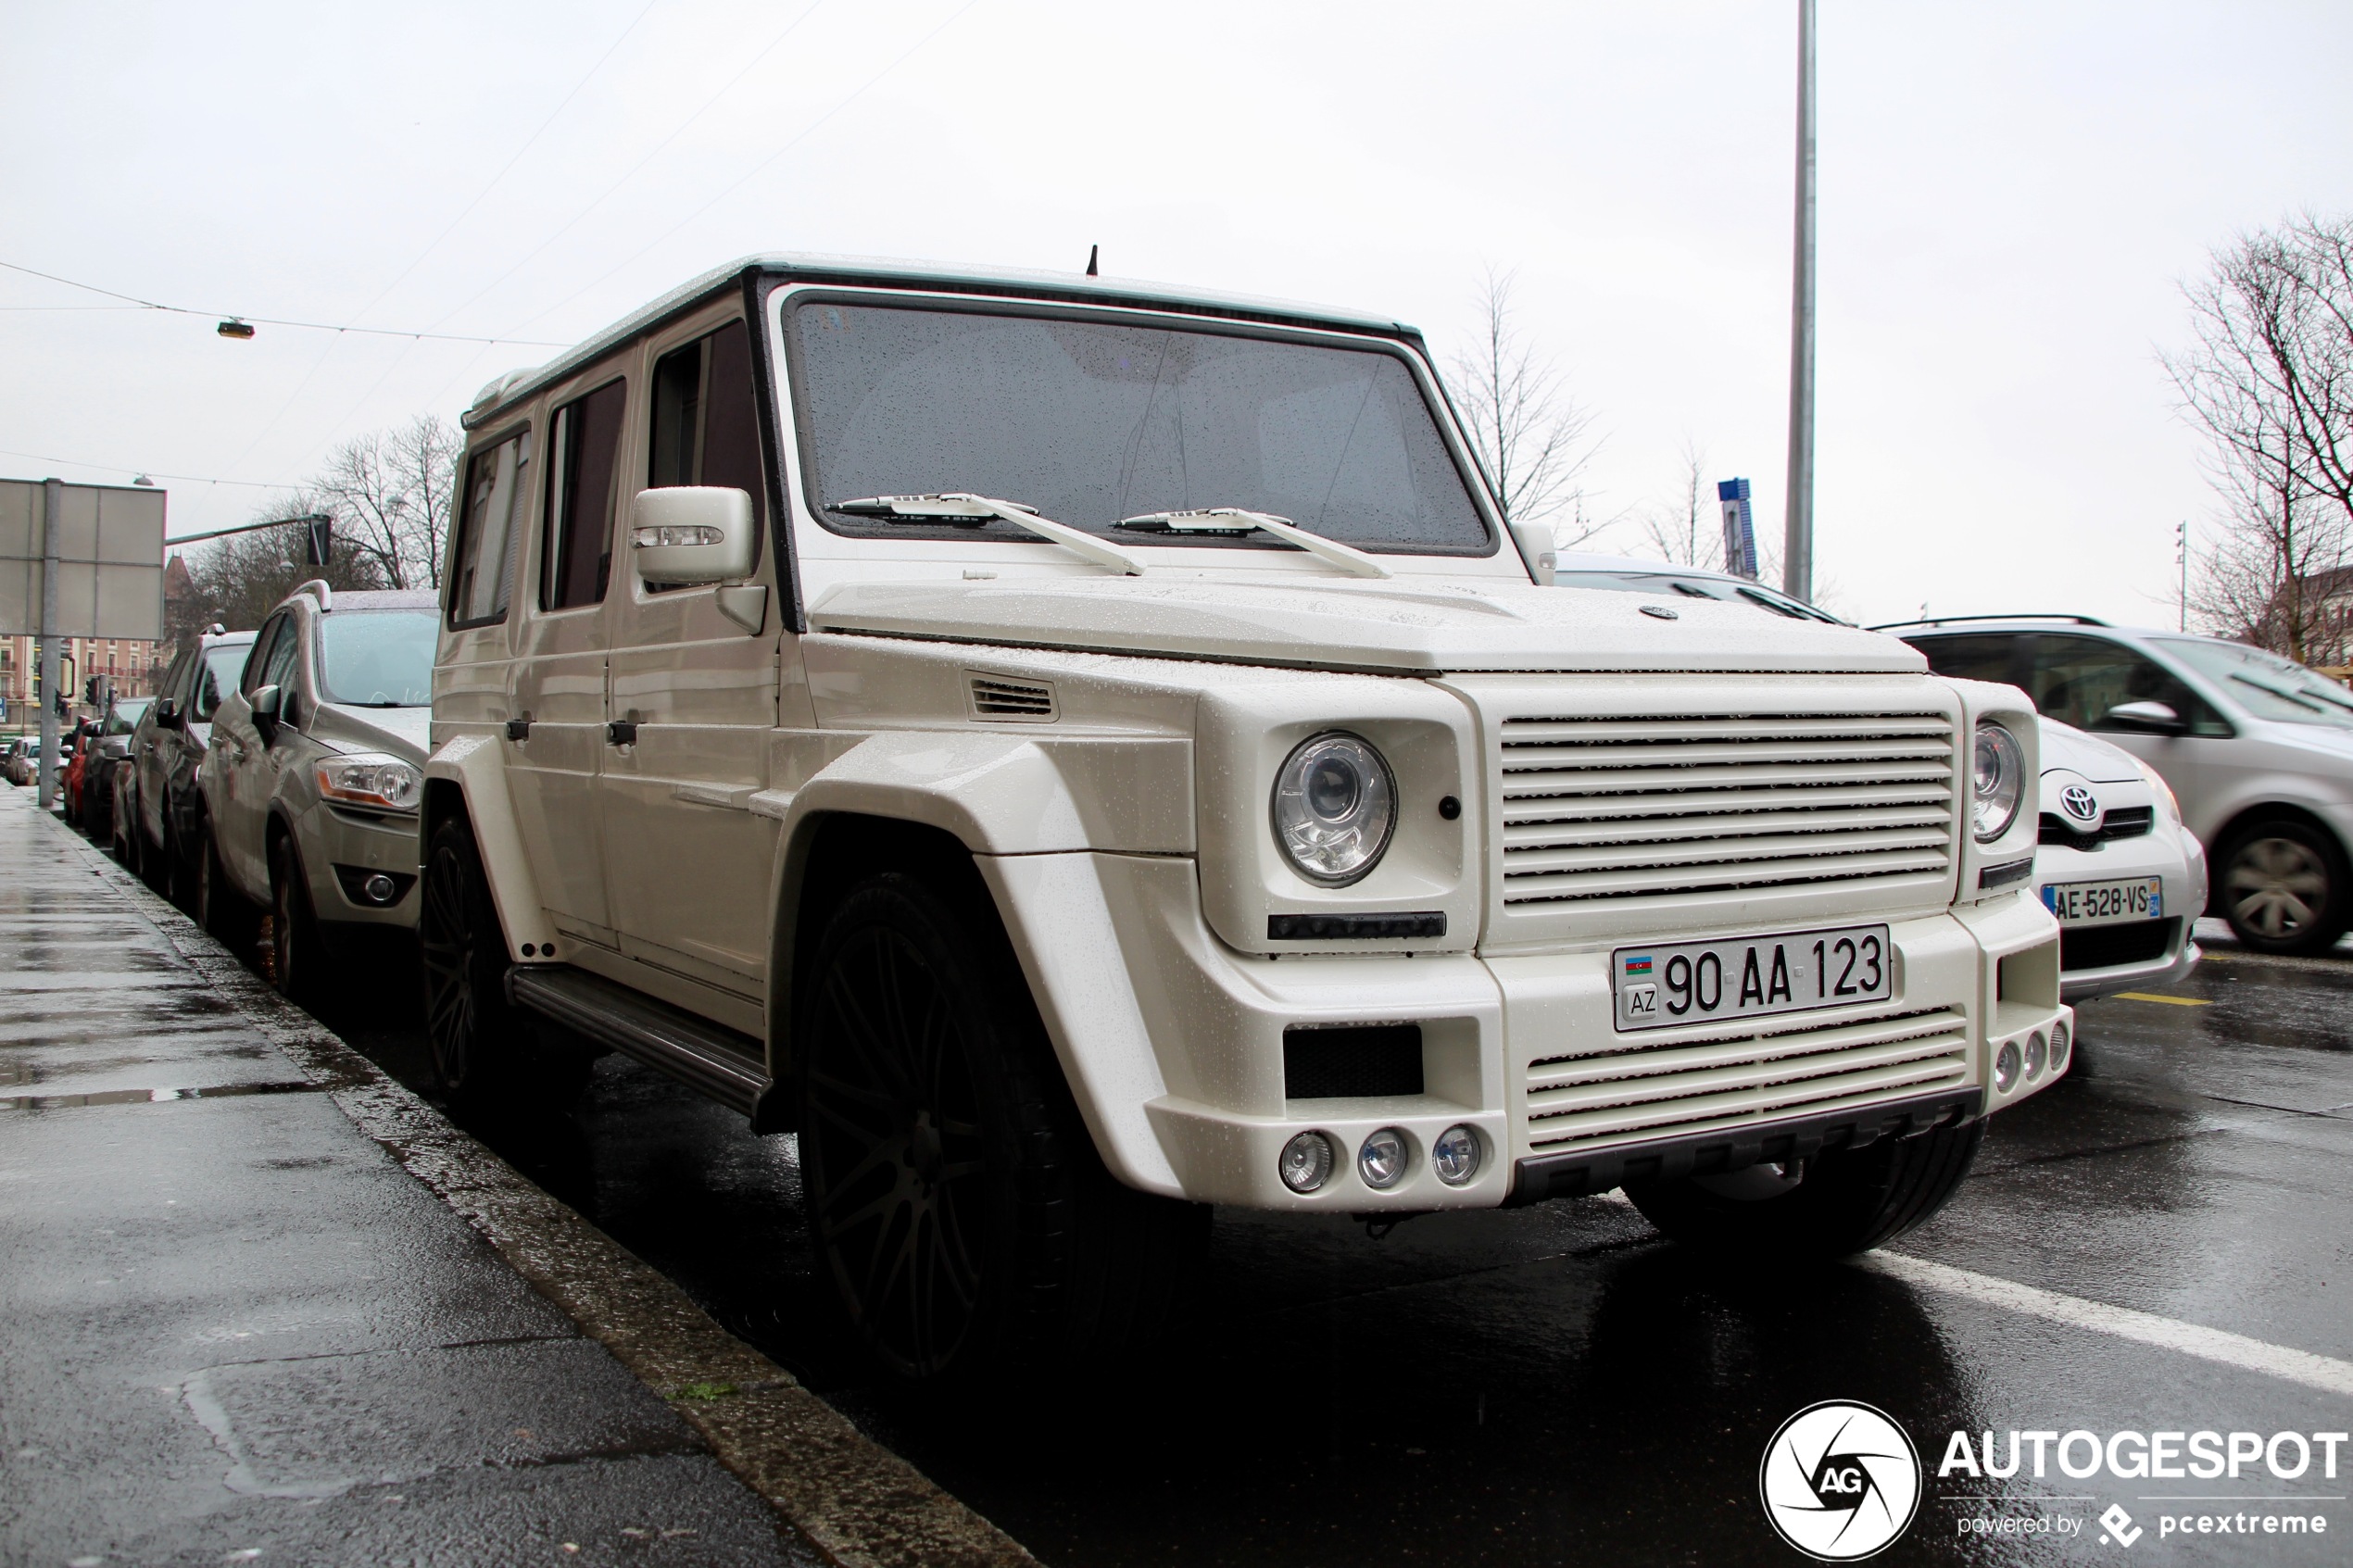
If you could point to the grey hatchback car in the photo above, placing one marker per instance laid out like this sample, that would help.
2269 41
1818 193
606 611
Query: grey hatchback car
2258 750
312 779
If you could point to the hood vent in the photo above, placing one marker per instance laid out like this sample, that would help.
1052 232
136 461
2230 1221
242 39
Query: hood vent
994 697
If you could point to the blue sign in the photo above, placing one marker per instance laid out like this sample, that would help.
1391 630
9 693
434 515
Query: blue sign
1739 528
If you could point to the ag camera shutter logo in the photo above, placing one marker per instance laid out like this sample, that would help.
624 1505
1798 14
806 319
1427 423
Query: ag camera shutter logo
1840 1481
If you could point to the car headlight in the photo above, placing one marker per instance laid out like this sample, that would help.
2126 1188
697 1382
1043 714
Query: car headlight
1997 766
379 783
1335 805
2163 791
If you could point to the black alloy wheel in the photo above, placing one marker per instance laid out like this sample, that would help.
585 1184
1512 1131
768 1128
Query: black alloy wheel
2281 885
470 1026
960 1211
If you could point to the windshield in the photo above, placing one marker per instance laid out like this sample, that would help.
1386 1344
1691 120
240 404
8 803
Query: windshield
1091 422
378 657
2265 684
1693 587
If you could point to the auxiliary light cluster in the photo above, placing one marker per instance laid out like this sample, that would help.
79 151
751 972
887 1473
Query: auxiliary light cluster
1383 1159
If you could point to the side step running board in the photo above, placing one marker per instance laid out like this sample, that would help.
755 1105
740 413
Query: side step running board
717 1061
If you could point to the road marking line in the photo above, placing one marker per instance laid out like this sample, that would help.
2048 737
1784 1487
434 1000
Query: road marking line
2169 1001
2324 1373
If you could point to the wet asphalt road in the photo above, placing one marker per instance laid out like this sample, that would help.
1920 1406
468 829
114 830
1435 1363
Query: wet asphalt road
1555 1384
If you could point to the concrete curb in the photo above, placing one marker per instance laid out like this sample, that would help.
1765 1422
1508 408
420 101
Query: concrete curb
856 1501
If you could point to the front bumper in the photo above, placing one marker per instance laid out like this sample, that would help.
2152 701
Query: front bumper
342 848
2098 960
1522 1049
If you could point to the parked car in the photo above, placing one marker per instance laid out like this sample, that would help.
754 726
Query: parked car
24 762
2117 866
312 778
73 749
167 755
1082 752
9 747
2258 750
108 753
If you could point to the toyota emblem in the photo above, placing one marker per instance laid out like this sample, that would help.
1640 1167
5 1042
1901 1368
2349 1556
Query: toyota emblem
2081 803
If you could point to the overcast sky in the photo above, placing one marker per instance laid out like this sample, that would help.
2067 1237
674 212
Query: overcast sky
2011 196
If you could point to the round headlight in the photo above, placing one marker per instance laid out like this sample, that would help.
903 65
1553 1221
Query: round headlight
1306 1161
2061 1043
1335 804
2006 1066
1998 766
1455 1154
1382 1160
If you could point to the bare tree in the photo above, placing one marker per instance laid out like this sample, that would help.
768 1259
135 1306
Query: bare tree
239 579
1528 433
2269 379
390 493
1686 531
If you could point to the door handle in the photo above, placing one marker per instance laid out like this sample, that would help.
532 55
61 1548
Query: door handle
621 732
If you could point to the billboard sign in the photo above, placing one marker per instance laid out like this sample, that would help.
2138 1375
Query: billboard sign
109 551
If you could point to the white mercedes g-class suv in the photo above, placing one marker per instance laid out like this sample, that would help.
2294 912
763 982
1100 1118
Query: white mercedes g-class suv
1078 752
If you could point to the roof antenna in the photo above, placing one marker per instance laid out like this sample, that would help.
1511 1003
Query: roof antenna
1094 254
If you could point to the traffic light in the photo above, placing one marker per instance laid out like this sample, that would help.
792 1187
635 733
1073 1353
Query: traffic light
318 541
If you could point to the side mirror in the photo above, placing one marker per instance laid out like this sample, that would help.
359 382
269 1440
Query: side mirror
2146 717
167 713
691 533
264 704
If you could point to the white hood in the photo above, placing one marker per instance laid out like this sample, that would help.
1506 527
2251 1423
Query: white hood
1402 626
2066 748
403 732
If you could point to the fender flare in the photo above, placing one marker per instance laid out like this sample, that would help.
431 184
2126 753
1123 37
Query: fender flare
472 766
1001 797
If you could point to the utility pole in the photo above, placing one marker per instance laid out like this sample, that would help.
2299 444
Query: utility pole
2181 551
1797 539
52 503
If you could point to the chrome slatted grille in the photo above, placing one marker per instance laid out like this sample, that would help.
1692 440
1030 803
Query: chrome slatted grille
1705 1086
1612 807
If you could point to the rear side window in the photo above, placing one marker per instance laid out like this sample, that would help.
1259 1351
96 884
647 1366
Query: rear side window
482 560
1975 657
584 447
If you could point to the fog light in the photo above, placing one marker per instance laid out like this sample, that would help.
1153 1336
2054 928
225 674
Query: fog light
1307 1163
1455 1156
378 888
2006 1066
1382 1160
2062 1041
2038 1050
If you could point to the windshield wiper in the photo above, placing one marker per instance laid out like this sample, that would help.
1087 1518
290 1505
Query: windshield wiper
1235 520
2301 699
958 507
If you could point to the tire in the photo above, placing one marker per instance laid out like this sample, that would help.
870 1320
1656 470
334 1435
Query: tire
475 1037
178 872
1841 1202
221 909
299 963
968 1227
2283 887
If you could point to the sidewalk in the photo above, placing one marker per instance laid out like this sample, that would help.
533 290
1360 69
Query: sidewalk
244 1316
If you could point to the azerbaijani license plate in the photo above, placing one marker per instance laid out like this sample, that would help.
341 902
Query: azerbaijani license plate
2103 903
1751 976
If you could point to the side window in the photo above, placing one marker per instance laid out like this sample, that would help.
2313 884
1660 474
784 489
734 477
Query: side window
2077 680
175 680
482 556
706 420
583 487
1975 657
286 651
265 646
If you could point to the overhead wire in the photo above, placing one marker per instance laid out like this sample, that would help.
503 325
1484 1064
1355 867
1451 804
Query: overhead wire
135 303
151 473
